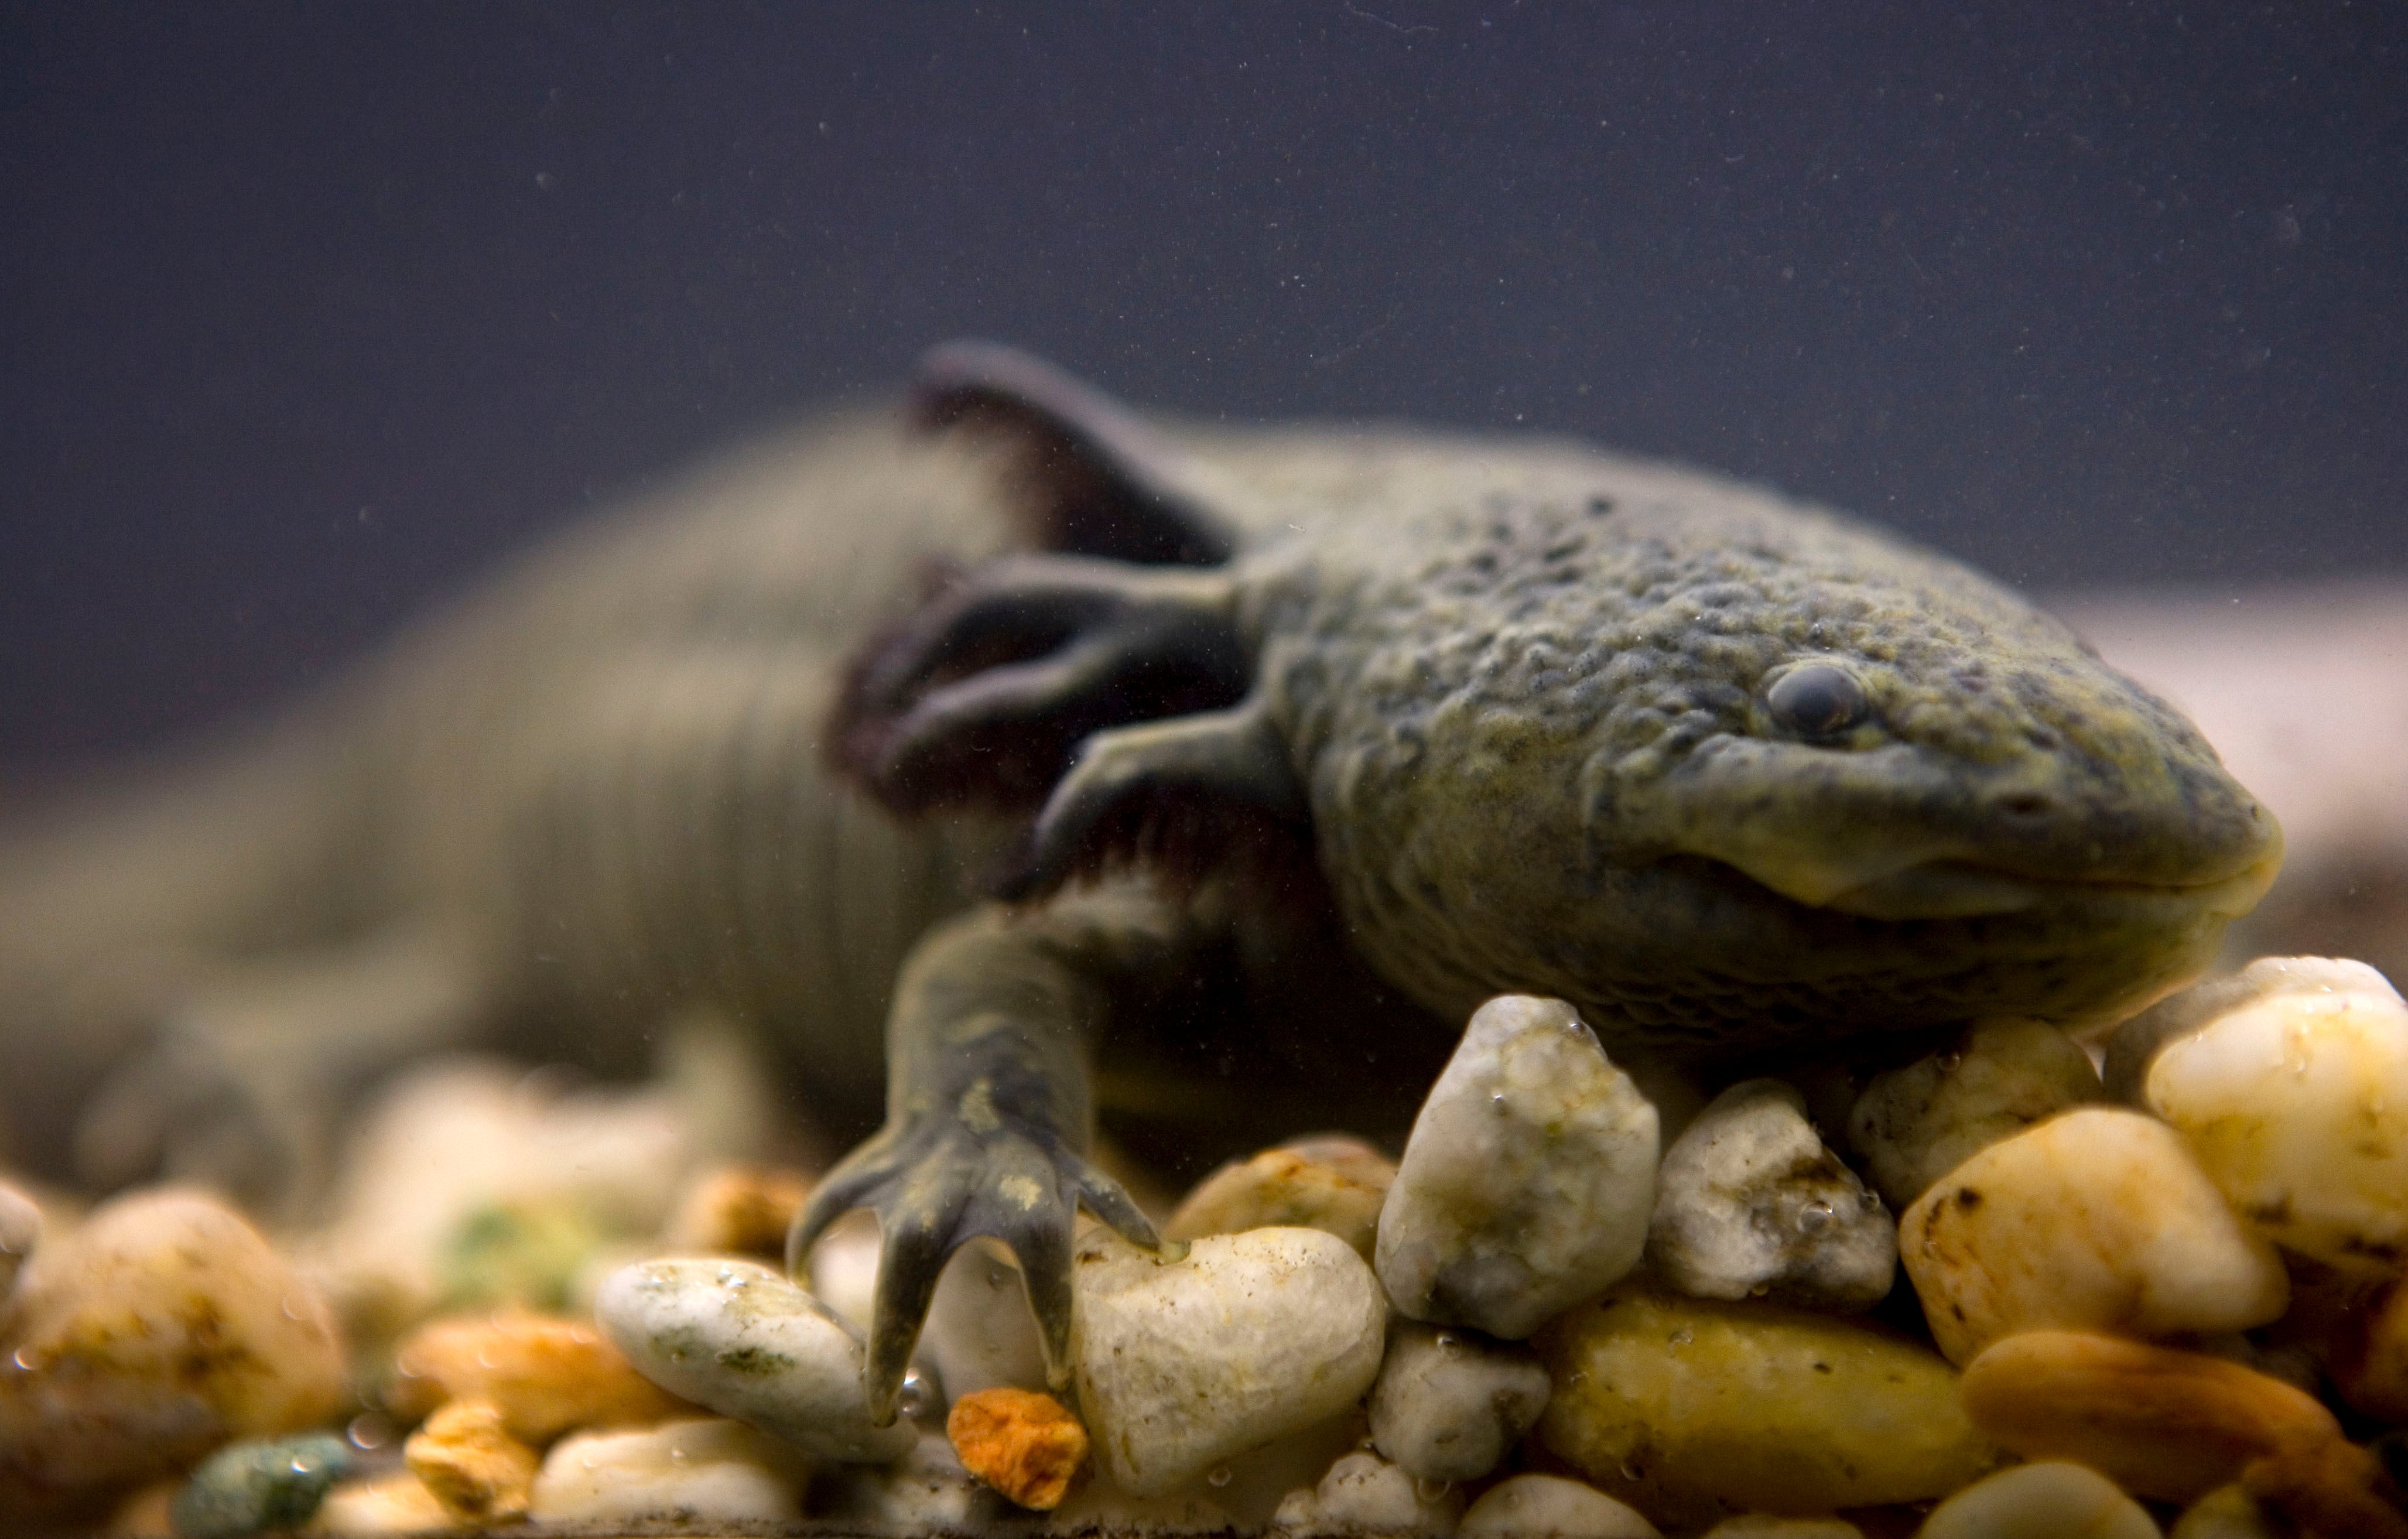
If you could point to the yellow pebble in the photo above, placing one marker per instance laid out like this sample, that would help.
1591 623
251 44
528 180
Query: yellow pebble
394 1503
1334 1184
467 1458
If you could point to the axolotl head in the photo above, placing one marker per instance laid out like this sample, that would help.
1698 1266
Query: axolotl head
1726 771
1735 770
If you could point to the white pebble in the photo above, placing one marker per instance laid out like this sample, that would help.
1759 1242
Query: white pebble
1546 1506
1527 1181
1182 1365
1364 1493
740 1338
2291 1082
2098 1219
1913 1125
1751 1204
926 1491
980 1334
1449 1402
705 1471
2048 1501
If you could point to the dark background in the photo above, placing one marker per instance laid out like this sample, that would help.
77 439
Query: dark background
305 312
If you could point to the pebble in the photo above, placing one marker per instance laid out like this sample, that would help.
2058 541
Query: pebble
2290 1081
1547 1507
1024 1444
1694 1410
2097 1220
21 1229
546 1373
162 1328
1527 1180
472 1176
393 1503
2052 1500
740 1338
1758 1525
1750 1204
1331 1182
1364 1493
467 1458
743 1210
2158 1422
978 1333
2227 1512
2370 1358
1450 1402
1914 1124
1182 1365
926 1492
251 1488
705 1471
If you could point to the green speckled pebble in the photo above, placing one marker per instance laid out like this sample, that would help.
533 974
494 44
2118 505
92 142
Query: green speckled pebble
254 1487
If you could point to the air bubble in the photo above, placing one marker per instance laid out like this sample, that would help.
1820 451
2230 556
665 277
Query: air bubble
913 1400
368 1431
1814 1218
1222 1474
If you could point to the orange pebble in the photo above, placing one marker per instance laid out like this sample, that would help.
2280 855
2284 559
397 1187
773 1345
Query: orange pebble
742 1208
547 1374
2320 1486
2158 1422
1022 1444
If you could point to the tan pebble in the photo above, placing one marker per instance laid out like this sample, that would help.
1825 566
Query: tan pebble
1693 1410
1547 1507
162 1327
2315 1483
466 1456
1331 1182
2160 1423
1022 1444
1757 1525
745 1209
2227 1512
2051 1499
2369 1356
393 1503
2098 1219
1914 1124
2291 1082
547 1374
144 1515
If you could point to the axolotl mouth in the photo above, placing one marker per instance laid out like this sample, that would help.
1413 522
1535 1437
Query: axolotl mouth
1964 889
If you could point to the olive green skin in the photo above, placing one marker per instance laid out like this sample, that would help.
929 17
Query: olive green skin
1523 688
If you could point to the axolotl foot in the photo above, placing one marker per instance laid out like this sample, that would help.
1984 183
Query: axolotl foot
935 1182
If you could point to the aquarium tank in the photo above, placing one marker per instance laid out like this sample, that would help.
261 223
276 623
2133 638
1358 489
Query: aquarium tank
1477 770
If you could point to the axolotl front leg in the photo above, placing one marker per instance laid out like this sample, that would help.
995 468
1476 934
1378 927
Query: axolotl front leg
1105 676
988 1116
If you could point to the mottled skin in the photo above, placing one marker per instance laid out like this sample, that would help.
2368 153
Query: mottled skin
1377 725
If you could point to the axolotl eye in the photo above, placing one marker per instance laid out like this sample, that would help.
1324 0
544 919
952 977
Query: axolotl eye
1818 700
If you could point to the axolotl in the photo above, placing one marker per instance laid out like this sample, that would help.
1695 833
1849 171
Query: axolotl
1206 776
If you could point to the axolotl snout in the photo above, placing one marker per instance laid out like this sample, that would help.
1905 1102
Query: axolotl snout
1728 774
1316 739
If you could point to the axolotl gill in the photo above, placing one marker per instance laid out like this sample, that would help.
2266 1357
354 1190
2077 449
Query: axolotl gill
1275 751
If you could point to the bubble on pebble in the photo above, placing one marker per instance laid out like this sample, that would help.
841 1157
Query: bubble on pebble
1222 1474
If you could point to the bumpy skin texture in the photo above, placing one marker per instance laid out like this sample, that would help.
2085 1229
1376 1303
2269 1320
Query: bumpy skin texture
1569 662
1387 723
